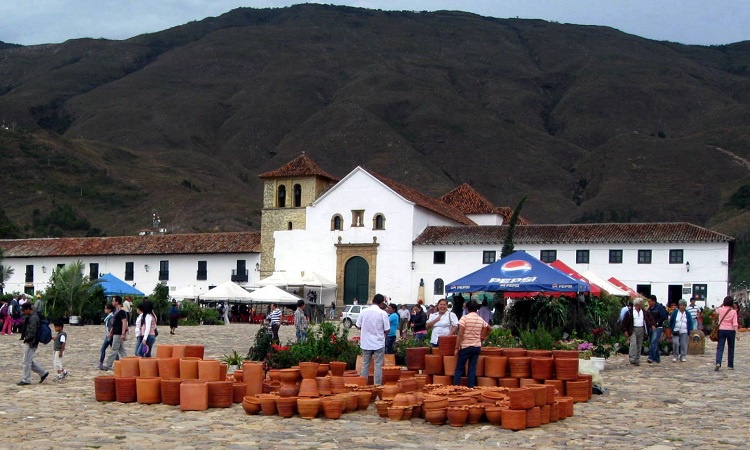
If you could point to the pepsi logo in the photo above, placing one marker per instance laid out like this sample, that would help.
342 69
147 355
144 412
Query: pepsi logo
515 268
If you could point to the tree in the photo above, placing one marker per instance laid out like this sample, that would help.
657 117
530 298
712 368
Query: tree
68 291
5 273
508 247
160 299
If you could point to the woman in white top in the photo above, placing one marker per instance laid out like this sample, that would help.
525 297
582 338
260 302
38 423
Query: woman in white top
138 330
442 323
148 327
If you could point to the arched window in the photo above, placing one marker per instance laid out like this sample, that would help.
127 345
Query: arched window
289 226
281 197
378 222
337 223
297 195
439 288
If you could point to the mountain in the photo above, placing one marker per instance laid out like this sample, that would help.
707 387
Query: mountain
593 124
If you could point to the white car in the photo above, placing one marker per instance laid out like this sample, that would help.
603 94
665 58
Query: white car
350 314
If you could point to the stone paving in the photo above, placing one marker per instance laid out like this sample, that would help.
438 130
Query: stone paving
656 406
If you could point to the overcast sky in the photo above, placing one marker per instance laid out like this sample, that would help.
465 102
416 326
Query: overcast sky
705 22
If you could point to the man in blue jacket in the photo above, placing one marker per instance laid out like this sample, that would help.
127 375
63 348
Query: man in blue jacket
658 314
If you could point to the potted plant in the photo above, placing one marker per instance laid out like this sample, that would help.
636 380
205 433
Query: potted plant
234 360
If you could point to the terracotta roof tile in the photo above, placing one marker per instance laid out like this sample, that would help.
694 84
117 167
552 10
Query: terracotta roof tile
164 244
424 201
299 166
507 212
572 234
468 200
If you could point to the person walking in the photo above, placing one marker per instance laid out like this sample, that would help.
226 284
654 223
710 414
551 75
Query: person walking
634 326
472 329
332 311
108 320
138 327
393 319
148 328
728 326
60 343
658 314
300 322
128 307
374 327
403 319
274 316
174 316
119 333
5 311
30 344
681 323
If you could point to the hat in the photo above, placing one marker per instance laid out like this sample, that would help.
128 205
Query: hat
143 350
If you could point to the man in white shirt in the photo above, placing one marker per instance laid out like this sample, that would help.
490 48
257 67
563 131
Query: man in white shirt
404 316
374 325
634 326
694 311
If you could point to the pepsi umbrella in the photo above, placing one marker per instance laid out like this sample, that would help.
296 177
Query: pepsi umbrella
519 272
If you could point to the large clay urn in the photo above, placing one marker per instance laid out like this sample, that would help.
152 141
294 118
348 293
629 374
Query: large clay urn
194 351
415 357
289 379
286 406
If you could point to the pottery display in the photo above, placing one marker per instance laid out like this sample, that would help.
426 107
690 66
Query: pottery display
559 386
308 408
125 389
382 407
540 393
514 352
148 367
178 351
544 414
220 394
148 390
433 364
170 391
193 395
396 412
168 368
251 404
104 388
117 368
415 357
577 390
508 382
457 415
391 374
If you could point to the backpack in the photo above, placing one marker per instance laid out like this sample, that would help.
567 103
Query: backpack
44 332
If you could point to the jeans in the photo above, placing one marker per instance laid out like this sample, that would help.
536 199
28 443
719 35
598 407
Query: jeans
103 350
472 355
275 332
117 350
679 345
726 336
29 364
301 335
389 341
367 358
636 344
150 340
653 347
138 342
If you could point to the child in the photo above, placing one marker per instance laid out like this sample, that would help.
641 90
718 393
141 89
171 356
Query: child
59 350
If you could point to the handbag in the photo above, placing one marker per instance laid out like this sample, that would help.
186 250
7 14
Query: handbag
714 336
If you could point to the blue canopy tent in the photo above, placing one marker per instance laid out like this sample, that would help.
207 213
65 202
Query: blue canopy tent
519 272
115 286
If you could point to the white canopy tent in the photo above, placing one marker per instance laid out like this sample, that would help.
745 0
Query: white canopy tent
229 291
317 290
188 292
272 294
604 284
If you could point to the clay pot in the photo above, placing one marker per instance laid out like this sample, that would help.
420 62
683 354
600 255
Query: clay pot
444 380
222 372
589 379
494 414
188 369
415 357
237 375
391 374
289 386
208 370
274 374
337 382
542 368
533 417
382 407
492 397
523 382
268 404
461 401
520 367
540 393
407 384
566 369
567 354
148 367
308 370
522 398
363 399
491 351
421 381
252 376
396 413
178 351
286 406
550 393
308 388
337 368
322 370
449 364
220 394
130 366
577 390
324 385
566 406
193 395
238 392
457 415
436 416
447 345
508 382
125 389
476 412
332 407
544 410
486 382
514 352
308 408
104 388
539 353
117 368
554 412
408 413
559 386
494 366
389 391
513 419
194 351
401 400
270 386
435 402
433 364
352 401
164 351
251 404
170 391
148 390
169 368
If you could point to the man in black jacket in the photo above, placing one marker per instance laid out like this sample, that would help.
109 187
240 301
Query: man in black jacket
30 343
658 314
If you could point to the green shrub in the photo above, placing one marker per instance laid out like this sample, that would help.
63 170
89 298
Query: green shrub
211 316
191 313
539 339
500 337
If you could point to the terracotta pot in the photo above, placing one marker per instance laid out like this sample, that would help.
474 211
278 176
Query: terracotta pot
193 395
566 406
476 412
125 389
389 391
222 372
589 379
382 407
567 354
514 352
169 368
445 380
522 398
178 351
148 367
492 397
577 390
164 351
337 382
220 394
544 414
209 370
513 419
270 386
542 368
421 381
322 370
550 393
449 364
415 357
401 400
486 382
268 404
252 376
433 364
337 368
194 351
480 366
461 401
238 374
494 366
436 416
324 385
130 366
494 414
148 390
308 408
554 412
308 388
332 407
520 367
447 345
352 401
508 382
539 353
117 368
457 415
540 394
274 374
363 399
170 391
289 375
188 369
566 369
391 374
251 404
491 351
289 388
408 413
104 389
238 391
533 417
396 413
559 386
407 384
308 370
286 406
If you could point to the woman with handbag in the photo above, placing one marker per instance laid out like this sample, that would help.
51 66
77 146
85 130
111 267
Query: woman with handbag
442 323
727 326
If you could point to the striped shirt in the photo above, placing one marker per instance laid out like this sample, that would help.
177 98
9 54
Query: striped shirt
275 316
472 325
694 310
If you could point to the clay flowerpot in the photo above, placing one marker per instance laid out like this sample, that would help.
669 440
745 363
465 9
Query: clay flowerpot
486 382
117 368
308 370
559 386
332 407
577 390
415 357
178 351
286 406
363 399
542 368
148 367
382 407
274 374
396 412
324 385
436 416
491 351
237 375
208 370
125 389
220 394
514 352
539 353
566 406
508 382
337 368
164 351
104 388
401 400
566 369
148 390
449 364
289 386
352 401
589 380
194 351
567 354
252 376
407 384
251 404
457 415
433 364
435 402
130 366
268 404
476 412
222 372
391 374
447 345
544 414
513 419
168 368
522 398
308 388
494 414
193 395
494 366
492 397
533 417
444 380
308 408
322 370
270 387
238 392
540 393
188 368
170 391
554 412
389 391
520 367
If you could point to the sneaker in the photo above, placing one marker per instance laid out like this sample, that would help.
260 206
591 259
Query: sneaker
23 383
683 359
716 369
64 374
649 361
57 378
674 359
44 377
731 368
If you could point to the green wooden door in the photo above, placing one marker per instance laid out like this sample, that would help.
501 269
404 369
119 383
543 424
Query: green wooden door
356 281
